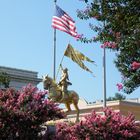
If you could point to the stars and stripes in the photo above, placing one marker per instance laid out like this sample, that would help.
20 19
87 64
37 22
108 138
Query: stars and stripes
62 21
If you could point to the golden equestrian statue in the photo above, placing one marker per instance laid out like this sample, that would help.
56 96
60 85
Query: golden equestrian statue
59 93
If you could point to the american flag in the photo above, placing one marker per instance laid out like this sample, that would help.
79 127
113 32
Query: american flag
62 21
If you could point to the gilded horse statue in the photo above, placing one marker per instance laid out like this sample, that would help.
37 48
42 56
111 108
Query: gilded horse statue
55 94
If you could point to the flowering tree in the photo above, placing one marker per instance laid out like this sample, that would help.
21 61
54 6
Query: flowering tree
110 126
118 29
22 112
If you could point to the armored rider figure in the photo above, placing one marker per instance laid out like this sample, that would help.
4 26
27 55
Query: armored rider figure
64 82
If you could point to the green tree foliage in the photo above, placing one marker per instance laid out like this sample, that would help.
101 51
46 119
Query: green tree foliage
117 96
119 30
4 79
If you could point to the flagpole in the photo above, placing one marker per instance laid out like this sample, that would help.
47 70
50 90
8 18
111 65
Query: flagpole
54 51
104 77
104 65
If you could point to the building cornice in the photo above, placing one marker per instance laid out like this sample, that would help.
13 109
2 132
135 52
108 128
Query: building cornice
20 77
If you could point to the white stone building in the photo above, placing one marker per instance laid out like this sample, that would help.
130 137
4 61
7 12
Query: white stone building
125 107
20 77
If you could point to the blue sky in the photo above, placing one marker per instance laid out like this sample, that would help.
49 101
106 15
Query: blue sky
26 42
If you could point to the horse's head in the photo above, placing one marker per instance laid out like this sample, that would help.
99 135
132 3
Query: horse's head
47 82
52 86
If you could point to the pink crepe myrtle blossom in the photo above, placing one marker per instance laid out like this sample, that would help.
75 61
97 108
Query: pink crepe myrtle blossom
135 65
25 107
110 126
120 86
108 44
